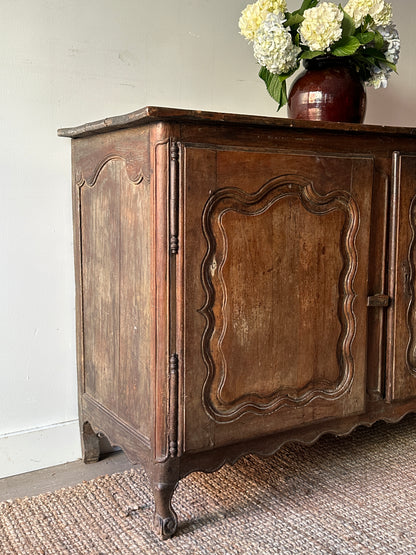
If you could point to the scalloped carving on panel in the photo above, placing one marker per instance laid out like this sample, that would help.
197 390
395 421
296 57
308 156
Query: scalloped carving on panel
214 309
409 290
135 174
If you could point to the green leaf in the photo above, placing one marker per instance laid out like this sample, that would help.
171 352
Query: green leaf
265 74
366 37
374 53
276 85
368 22
309 54
391 66
345 47
283 96
273 83
369 60
306 5
275 88
293 20
348 26
378 41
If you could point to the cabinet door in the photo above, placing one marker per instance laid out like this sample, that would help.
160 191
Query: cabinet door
275 280
401 352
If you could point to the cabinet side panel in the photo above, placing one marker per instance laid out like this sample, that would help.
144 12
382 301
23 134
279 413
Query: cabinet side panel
112 179
100 217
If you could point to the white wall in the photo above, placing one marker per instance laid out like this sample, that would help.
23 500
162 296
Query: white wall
65 62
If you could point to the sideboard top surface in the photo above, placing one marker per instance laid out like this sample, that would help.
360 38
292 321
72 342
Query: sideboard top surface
154 114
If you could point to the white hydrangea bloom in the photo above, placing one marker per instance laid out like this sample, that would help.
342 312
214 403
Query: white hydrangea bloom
321 26
273 46
255 14
380 75
273 5
380 11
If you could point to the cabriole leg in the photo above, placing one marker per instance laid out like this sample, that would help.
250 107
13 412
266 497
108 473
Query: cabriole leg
165 519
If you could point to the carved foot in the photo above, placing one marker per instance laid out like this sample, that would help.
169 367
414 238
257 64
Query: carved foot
90 444
165 519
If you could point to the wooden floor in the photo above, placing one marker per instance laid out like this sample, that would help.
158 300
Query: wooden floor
57 477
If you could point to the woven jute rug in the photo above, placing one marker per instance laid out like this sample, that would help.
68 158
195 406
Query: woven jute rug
350 495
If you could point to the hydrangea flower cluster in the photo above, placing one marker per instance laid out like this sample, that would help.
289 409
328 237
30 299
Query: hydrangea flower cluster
379 74
361 32
273 46
254 15
321 26
380 11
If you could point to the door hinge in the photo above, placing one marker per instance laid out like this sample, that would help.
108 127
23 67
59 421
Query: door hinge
174 198
173 404
378 300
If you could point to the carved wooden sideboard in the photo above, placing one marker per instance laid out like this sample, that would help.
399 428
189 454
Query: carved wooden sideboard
241 282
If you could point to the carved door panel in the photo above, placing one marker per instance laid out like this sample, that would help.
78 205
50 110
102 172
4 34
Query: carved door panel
275 281
401 354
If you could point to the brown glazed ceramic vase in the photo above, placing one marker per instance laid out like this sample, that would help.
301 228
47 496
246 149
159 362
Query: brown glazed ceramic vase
328 90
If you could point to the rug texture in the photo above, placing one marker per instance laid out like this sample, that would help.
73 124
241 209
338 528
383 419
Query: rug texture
350 495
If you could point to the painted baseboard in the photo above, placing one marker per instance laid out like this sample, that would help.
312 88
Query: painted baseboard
39 448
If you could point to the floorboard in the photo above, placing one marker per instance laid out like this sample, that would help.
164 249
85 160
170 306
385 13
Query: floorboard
57 477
